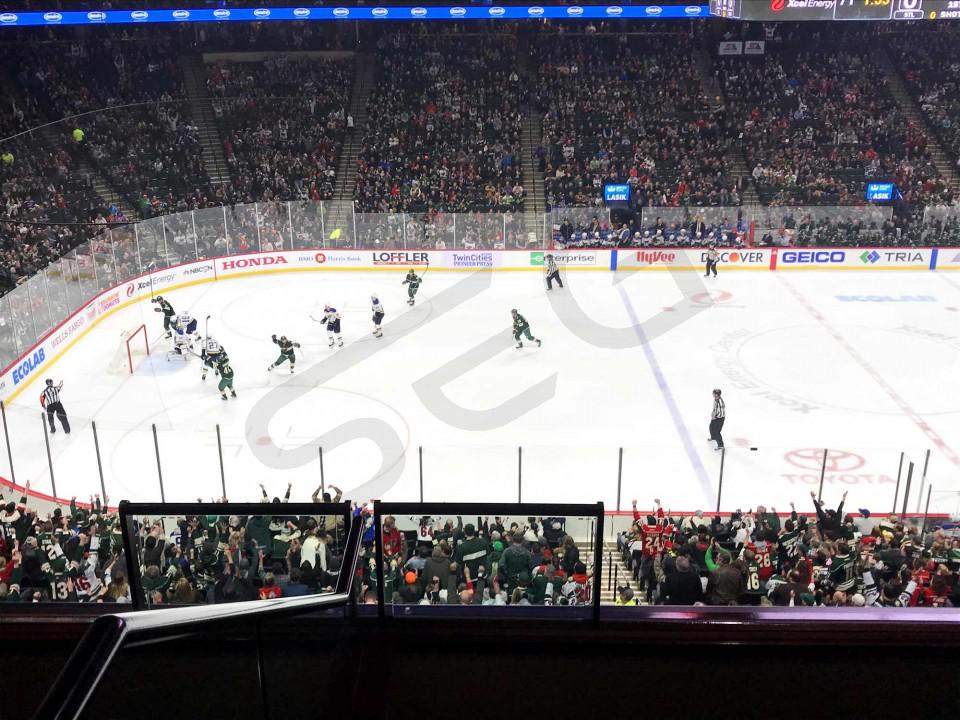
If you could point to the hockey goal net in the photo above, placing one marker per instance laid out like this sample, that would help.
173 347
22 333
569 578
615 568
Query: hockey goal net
134 346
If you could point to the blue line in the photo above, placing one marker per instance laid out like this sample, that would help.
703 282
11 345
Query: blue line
933 258
613 260
705 484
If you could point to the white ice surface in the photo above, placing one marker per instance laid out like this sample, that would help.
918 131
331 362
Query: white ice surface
801 371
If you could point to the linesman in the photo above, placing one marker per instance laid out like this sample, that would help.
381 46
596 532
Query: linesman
50 400
553 272
717 417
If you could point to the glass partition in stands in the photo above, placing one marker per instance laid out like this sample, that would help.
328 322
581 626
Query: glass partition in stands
940 225
219 553
485 555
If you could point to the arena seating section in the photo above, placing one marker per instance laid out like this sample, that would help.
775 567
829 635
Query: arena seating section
282 122
628 108
818 557
813 118
445 134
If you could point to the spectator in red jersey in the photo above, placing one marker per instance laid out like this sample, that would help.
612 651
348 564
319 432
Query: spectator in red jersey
270 589
394 544
651 537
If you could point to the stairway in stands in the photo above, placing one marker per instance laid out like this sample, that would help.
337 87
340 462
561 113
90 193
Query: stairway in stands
53 137
201 109
535 204
911 110
339 214
614 572
736 162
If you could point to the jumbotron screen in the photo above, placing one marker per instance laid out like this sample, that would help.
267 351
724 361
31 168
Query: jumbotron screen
794 10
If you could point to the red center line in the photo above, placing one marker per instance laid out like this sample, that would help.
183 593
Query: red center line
914 416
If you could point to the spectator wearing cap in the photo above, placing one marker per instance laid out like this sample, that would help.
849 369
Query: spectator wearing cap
411 591
864 524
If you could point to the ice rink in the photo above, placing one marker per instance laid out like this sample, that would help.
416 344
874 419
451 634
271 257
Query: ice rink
863 364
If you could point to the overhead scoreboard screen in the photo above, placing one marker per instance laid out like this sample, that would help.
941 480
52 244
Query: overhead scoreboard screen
794 10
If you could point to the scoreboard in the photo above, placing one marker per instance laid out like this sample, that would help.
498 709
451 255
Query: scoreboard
793 10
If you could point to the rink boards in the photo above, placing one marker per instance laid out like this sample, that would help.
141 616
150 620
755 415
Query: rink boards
21 374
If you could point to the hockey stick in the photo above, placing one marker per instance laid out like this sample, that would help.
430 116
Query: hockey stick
206 336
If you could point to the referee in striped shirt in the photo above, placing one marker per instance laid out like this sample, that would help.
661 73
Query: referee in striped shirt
52 404
716 418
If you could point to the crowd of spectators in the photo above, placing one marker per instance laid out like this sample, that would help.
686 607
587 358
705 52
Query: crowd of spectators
444 126
627 108
39 184
77 555
282 122
758 558
813 117
491 562
129 116
816 122
929 67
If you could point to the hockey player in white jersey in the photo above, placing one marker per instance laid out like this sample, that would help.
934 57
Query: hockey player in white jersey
184 331
378 313
187 324
213 355
332 319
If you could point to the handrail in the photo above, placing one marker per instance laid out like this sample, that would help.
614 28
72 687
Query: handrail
87 665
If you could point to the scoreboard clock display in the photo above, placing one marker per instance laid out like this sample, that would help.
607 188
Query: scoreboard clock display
863 9
725 8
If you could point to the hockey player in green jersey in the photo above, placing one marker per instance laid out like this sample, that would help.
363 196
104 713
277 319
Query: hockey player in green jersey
412 281
213 355
522 327
286 352
168 314
226 380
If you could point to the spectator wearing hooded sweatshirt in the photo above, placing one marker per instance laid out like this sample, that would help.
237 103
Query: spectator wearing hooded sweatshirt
437 566
514 560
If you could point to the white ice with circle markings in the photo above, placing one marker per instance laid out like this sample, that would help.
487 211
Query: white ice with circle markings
863 365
